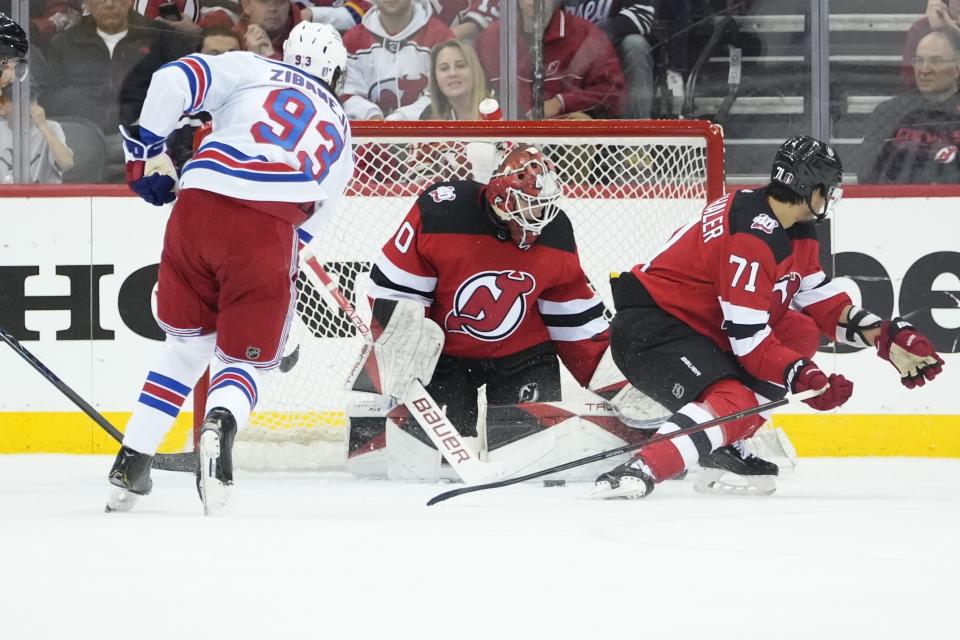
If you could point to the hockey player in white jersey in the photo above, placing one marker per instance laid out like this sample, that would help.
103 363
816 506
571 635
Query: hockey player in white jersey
276 163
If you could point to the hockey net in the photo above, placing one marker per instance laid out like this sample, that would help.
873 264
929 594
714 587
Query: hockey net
627 186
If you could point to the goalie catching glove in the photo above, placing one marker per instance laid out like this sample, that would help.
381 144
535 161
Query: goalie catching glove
406 347
900 344
150 172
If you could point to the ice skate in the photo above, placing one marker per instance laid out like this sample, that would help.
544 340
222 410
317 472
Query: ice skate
215 476
629 481
130 477
735 470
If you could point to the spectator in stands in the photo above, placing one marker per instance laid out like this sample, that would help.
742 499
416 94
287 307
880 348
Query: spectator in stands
265 24
49 154
628 24
218 40
582 73
913 138
342 15
388 68
163 10
457 83
466 18
100 68
942 15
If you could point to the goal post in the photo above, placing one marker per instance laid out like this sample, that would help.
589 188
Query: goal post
627 185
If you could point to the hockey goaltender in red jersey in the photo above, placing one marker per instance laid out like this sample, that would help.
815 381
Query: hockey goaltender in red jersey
496 266
728 315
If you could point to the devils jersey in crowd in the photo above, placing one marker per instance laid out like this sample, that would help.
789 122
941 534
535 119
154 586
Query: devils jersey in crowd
910 139
457 12
491 298
731 273
389 74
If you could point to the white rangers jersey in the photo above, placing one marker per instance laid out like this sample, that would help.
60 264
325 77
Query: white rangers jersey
278 134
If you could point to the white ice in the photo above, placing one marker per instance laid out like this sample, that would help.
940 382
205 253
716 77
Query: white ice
847 548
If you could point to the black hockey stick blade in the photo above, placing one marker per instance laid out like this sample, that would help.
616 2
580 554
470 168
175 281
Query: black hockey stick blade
186 462
603 455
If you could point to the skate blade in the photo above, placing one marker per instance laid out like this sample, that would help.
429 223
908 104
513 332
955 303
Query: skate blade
629 489
718 482
120 500
214 494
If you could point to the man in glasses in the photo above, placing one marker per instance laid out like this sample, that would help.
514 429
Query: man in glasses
913 138
13 51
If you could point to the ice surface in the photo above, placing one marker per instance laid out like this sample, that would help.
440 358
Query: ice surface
847 548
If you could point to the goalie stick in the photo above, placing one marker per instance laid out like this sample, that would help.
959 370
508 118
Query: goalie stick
186 462
603 455
424 409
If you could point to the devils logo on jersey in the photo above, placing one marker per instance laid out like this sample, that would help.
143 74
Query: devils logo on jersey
490 305
782 295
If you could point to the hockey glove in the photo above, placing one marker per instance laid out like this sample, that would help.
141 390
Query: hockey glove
150 172
806 375
909 351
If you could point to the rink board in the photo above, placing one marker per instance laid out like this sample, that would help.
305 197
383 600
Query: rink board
77 273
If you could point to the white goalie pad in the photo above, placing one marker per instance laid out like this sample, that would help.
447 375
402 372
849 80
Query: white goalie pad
771 443
406 348
631 405
518 440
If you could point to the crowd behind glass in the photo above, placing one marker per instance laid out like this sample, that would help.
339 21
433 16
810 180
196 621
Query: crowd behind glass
894 111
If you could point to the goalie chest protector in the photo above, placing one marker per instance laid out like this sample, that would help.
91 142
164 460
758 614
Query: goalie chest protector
487 293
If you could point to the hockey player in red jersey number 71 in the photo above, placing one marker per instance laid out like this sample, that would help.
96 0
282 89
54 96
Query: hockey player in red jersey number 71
728 314
227 283
496 266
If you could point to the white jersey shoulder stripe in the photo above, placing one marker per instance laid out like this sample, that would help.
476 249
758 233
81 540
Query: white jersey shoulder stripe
404 278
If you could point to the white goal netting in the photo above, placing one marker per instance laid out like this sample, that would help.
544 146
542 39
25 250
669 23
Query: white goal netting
627 186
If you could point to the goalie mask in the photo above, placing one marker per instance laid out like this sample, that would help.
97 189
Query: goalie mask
318 50
13 51
805 165
523 192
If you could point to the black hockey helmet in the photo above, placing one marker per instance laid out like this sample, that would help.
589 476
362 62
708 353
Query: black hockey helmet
803 165
13 40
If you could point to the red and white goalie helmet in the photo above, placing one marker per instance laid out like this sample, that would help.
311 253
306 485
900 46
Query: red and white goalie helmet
523 192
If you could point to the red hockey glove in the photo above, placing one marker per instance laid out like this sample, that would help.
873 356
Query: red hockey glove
806 375
909 351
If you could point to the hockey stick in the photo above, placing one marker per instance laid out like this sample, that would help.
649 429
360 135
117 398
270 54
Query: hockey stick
165 461
424 409
603 455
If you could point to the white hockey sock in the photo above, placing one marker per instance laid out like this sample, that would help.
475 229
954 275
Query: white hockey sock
693 446
169 382
233 386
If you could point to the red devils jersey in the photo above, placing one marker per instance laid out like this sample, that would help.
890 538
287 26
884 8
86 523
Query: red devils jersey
492 298
731 273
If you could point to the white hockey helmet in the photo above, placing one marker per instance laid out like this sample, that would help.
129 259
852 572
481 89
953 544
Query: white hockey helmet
317 49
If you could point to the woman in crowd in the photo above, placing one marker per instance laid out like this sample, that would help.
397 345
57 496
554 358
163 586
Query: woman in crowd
457 83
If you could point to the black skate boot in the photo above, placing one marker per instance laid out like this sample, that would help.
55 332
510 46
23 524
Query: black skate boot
630 480
130 477
215 475
735 470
